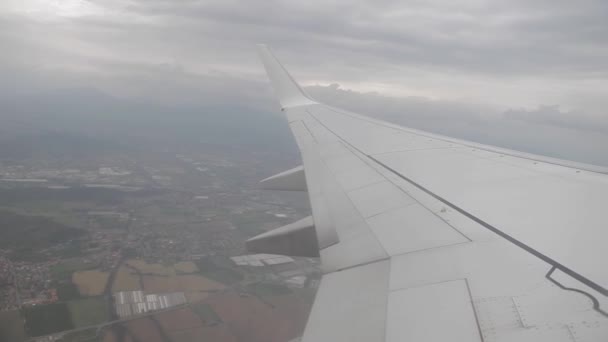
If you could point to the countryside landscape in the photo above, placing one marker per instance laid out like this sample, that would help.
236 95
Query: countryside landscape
141 237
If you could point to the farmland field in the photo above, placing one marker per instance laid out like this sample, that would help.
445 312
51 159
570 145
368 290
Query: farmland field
196 296
67 291
46 319
180 319
144 329
90 283
206 313
145 268
126 280
11 326
109 336
185 283
257 320
218 333
182 267
63 270
88 311
88 335
218 273
185 267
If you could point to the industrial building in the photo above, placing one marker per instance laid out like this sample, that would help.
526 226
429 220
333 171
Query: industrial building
129 303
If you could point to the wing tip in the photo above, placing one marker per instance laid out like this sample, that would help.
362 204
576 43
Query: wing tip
288 91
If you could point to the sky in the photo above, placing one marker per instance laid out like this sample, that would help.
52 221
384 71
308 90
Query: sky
528 75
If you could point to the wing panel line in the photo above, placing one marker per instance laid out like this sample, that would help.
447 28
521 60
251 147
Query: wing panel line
499 232
479 221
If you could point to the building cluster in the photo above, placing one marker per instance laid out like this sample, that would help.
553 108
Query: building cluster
130 303
9 297
114 176
292 272
34 283
213 238
258 260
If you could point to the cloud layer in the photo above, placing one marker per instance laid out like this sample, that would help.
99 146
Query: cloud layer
439 65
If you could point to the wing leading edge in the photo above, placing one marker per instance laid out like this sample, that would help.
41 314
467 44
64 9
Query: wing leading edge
428 238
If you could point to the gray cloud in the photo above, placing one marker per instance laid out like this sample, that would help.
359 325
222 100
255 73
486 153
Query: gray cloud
502 37
478 70
546 130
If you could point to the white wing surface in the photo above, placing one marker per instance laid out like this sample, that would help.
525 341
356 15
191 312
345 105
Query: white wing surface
428 238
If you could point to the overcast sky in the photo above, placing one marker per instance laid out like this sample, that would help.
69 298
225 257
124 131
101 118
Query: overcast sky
502 72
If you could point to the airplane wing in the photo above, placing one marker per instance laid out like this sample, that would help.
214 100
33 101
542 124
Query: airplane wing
428 238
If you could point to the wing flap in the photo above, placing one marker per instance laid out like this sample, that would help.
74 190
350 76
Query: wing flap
432 313
346 313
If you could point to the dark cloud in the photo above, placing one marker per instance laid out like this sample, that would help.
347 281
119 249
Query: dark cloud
501 37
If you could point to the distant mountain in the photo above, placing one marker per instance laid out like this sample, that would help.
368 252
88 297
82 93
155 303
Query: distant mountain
54 144
97 121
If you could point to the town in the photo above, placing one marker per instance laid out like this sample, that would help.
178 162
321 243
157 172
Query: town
171 232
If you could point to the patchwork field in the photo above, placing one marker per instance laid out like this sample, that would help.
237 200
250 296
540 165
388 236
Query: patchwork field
80 336
182 267
67 291
194 297
180 319
153 269
185 283
227 316
88 311
144 329
126 280
11 326
224 275
276 319
45 319
63 270
90 283
109 336
136 274
218 334
268 289
206 313
185 267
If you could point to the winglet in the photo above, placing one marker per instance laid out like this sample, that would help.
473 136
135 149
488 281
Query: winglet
286 88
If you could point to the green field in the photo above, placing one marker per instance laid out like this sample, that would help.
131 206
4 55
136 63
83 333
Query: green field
11 326
24 235
89 311
47 319
67 291
63 271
